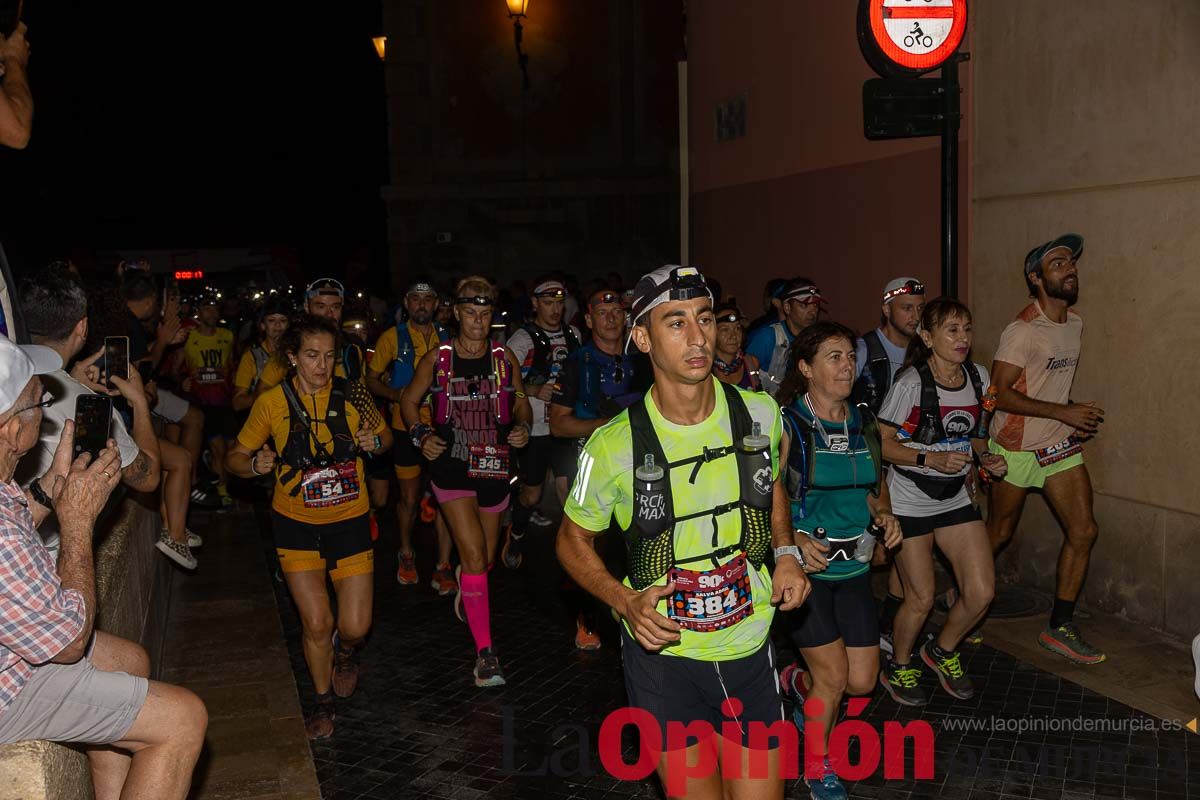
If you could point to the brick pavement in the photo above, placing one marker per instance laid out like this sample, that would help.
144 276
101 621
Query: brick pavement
418 728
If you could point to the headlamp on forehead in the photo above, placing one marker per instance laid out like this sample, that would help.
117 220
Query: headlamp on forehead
729 316
553 290
686 283
605 297
420 288
908 287
475 300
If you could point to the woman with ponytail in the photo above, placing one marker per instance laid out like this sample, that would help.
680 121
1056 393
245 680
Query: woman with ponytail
933 424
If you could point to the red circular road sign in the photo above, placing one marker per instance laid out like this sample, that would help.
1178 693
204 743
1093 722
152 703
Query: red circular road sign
917 35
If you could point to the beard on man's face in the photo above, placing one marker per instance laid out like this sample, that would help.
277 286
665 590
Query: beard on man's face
1060 291
421 316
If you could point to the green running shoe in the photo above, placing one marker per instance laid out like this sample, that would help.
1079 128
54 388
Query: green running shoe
1068 643
949 672
900 680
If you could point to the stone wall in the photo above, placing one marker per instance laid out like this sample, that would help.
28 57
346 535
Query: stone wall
1084 121
132 588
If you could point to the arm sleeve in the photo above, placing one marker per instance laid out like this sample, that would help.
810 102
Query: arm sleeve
566 390
257 429
597 486
1014 344
762 345
245 372
902 398
385 351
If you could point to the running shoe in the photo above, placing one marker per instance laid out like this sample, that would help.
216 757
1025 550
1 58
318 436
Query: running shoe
176 551
828 786
203 499
223 496
487 669
319 724
791 685
974 637
949 672
345 670
443 580
428 509
1068 643
585 639
900 681
885 642
406 573
540 519
513 544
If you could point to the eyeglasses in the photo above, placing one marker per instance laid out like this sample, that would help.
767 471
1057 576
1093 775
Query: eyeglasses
909 287
47 399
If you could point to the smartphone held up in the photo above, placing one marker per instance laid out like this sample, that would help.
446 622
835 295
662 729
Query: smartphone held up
93 416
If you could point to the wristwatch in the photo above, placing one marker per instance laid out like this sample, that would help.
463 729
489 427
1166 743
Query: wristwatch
790 550
921 459
39 495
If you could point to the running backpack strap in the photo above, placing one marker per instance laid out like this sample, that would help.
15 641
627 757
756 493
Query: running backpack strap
645 442
878 361
869 425
403 368
439 390
976 383
929 428
505 393
755 539
801 463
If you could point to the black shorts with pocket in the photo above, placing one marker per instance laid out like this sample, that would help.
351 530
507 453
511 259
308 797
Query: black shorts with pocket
923 526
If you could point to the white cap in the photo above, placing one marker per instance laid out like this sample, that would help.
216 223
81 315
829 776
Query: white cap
19 363
899 286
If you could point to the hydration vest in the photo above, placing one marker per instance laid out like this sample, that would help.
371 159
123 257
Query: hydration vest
352 358
778 366
800 471
261 359
876 378
930 430
404 366
542 369
443 377
299 450
652 553
593 402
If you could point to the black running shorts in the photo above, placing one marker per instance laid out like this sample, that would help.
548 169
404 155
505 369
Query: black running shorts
343 548
923 526
837 610
683 690
547 453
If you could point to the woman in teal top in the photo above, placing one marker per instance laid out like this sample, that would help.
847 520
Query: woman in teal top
831 450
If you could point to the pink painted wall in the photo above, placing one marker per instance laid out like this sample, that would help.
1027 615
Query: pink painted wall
804 192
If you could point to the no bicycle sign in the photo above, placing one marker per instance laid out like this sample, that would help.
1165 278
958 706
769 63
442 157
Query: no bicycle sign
908 37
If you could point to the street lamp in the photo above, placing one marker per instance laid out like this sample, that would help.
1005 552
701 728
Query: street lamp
380 43
516 11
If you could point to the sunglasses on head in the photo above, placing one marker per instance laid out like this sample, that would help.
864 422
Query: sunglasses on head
909 287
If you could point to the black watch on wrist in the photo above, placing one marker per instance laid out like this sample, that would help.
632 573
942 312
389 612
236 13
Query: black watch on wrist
921 459
39 495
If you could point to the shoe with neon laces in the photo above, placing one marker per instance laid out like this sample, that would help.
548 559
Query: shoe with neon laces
406 572
223 497
975 636
828 786
585 638
443 580
791 684
948 670
1068 643
900 680
487 669
513 544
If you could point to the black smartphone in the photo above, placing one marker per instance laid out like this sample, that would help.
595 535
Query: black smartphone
116 359
93 414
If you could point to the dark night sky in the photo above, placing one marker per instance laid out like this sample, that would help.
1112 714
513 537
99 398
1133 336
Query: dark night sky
176 124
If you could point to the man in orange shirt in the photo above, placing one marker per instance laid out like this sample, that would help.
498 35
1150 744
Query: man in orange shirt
1040 432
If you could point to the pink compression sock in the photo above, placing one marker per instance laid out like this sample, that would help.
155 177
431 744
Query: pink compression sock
475 604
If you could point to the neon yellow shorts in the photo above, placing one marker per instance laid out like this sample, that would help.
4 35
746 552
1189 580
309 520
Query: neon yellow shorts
1024 470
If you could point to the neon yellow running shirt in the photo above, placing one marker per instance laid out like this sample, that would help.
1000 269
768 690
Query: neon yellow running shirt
603 492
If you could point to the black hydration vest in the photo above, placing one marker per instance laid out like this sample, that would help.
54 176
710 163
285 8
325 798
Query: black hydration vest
872 386
799 474
652 553
541 369
299 453
353 354
930 430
